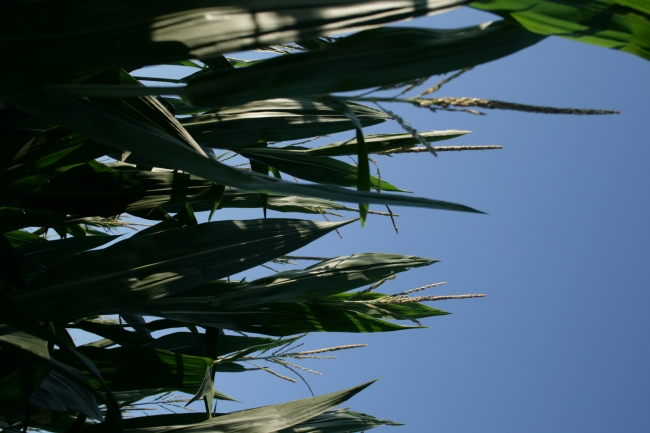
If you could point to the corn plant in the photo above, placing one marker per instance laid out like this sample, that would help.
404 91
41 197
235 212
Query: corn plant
85 144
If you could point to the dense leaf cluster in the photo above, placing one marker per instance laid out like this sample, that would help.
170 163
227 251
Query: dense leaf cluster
84 143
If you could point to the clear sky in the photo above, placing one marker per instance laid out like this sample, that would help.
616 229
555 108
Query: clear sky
560 343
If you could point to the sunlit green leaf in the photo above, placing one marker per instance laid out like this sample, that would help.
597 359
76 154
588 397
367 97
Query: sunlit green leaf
623 25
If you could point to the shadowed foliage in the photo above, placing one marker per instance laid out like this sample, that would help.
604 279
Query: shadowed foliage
109 182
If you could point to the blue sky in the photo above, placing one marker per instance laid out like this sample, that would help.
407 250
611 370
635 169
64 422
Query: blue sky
560 342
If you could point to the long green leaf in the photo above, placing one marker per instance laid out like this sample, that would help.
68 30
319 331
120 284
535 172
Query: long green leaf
401 54
152 266
378 143
338 421
274 120
323 279
265 419
318 169
278 319
112 34
123 132
238 199
411 310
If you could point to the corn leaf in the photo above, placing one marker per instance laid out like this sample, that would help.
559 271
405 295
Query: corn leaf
117 334
401 54
116 34
273 120
192 344
51 253
57 393
322 279
123 132
20 238
42 158
377 143
277 319
318 169
265 419
85 191
622 25
339 421
134 367
412 310
152 266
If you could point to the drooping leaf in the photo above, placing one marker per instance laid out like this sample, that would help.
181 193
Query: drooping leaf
157 265
401 54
